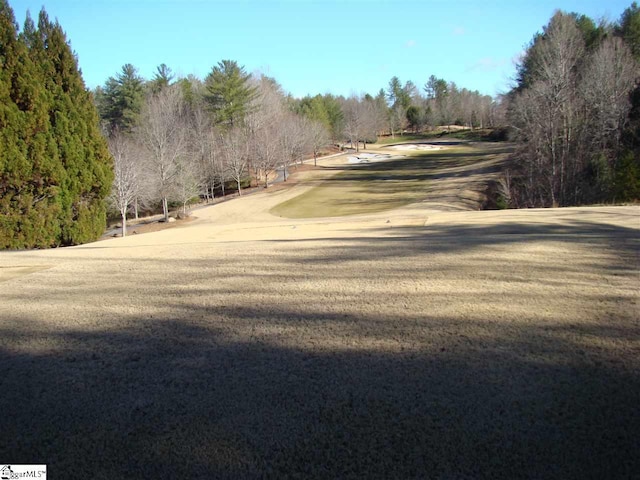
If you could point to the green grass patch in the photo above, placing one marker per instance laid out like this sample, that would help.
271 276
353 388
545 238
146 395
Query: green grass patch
375 187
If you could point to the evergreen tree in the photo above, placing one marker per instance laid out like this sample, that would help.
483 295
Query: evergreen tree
314 109
55 170
629 28
399 101
397 95
120 100
415 118
325 109
592 34
229 93
334 114
162 78
82 149
30 170
192 90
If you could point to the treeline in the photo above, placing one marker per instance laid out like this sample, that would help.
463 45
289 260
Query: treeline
164 141
400 108
55 168
575 113
176 139
153 143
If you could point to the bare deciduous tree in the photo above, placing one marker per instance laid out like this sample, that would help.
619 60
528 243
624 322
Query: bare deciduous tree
267 151
235 153
546 114
569 112
293 138
188 181
164 136
317 136
607 81
355 113
127 178
201 140
264 131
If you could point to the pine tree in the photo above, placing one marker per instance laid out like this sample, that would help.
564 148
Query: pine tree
629 28
228 93
162 78
120 100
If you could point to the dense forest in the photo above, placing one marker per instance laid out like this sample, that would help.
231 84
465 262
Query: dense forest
575 114
135 143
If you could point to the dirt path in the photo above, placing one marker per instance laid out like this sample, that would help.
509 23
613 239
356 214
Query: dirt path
422 341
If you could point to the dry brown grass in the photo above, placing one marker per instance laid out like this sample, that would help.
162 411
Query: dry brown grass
411 343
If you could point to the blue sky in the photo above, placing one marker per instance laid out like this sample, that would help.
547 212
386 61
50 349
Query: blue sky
311 46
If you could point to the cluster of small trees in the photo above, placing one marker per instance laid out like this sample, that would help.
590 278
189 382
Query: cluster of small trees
175 140
575 114
399 108
439 103
55 168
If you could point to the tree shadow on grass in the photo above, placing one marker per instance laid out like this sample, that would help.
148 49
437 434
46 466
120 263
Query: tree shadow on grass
428 165
392 240
227 391
166 397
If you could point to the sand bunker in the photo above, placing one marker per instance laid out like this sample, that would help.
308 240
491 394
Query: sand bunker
368 158
416 147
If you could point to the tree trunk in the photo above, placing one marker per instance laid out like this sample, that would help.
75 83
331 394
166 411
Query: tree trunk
165 209
284 172
315 158
239 188
124 222
135 207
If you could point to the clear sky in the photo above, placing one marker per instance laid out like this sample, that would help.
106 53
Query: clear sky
312 46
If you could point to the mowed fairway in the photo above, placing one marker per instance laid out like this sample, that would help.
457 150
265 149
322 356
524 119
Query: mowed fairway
349 189
428 340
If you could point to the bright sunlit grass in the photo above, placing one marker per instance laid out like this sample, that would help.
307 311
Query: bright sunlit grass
375 187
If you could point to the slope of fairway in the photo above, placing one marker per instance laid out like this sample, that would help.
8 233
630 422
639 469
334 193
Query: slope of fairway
351 189
425 341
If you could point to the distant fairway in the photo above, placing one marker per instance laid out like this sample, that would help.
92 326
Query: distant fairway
374 187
